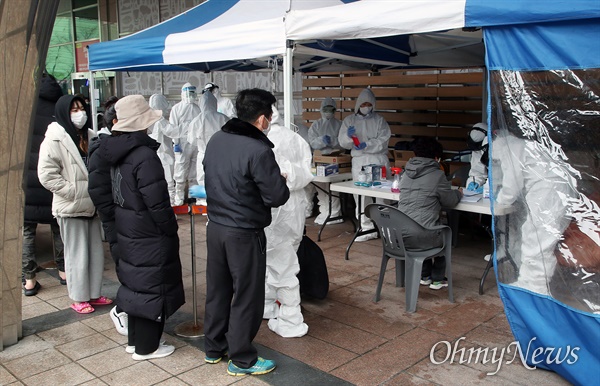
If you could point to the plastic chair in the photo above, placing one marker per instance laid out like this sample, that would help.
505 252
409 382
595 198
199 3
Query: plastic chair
394 226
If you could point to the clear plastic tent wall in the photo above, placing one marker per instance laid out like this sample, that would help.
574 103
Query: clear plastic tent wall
545 174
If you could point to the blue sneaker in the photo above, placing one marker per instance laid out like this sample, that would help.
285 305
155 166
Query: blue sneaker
262 366
213 361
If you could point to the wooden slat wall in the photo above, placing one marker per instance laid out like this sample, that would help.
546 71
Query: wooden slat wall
442 103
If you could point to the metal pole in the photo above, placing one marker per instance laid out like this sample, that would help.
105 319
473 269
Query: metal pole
191 329
288 92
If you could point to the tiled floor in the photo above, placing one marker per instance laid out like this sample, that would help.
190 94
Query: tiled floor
351 339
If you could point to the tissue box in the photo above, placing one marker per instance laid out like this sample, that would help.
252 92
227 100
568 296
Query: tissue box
327 170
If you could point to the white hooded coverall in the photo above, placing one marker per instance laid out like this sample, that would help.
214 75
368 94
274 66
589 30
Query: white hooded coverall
185 161
478 171
161 132
373 130
285 233
203 127
326 126
224 105
547 189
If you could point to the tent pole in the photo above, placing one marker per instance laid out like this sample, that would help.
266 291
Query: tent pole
288 92
94 109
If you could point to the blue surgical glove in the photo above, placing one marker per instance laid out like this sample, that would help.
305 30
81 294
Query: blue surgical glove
177 149
326 140
360 146
474 187
197 191
351 131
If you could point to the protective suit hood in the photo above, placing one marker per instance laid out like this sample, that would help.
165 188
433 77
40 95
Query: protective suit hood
188 93
276 118
365 95
208 102
159 102
327 102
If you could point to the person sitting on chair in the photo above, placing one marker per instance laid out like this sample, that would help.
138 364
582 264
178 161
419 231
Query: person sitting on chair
424 190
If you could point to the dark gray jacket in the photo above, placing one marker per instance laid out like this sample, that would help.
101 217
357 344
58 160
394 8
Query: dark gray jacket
243 180
424 189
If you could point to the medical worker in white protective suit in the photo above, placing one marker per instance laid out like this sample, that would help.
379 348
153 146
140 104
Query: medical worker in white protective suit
224 105
285 233
310 189
203 127
373 133
323 135
185 153
477 141
161 132
542 183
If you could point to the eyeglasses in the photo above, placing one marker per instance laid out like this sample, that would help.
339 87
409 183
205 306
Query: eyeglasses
329 109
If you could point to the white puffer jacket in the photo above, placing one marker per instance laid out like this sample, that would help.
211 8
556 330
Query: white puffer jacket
62 171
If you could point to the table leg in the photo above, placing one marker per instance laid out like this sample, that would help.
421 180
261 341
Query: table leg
359 231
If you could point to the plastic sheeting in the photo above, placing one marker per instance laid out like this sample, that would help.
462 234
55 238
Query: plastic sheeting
545 167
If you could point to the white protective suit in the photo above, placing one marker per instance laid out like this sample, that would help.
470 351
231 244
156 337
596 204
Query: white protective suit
285 233
161 132
203 127
224 105
185 161
543 184
310 189
374 131
478 172
330 127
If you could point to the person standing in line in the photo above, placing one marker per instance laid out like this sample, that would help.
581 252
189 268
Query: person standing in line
62 169
203 127
373 134
323 136
38 200
243 183
282 290
100 190
149 267
425 189
161 132
185 153
224 105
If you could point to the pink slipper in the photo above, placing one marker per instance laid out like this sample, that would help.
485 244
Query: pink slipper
82 308
101 301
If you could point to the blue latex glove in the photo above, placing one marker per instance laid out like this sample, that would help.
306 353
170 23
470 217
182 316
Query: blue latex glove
197 191
351 131
360 146
326 140
474 187
177 149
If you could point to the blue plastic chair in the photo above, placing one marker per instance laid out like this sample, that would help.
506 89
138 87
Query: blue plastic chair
393 227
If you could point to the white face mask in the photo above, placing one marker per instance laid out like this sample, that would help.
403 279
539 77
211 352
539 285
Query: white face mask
79 119
366 110
266 131
328 115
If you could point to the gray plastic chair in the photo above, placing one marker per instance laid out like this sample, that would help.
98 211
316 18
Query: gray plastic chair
394 226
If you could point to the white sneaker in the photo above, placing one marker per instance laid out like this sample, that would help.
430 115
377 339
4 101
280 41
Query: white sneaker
120 320
131 349
161 352
367 237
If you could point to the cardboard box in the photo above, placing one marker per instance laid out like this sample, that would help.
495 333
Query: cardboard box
327 170
401 157
333 158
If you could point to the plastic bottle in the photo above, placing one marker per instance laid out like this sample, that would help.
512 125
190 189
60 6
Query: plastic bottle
362 178
355 140
396 182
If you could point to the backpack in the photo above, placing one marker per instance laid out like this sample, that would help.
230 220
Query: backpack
313 277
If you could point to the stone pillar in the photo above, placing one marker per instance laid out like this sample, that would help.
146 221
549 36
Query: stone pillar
25 29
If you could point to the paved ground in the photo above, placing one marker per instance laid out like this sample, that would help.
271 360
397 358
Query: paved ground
351 339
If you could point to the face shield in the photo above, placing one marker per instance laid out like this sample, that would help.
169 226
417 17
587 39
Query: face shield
188 93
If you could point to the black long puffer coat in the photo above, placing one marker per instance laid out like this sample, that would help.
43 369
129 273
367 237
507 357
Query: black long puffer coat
38 200
149 267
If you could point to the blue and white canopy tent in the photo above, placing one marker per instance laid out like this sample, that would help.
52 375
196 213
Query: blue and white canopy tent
543 63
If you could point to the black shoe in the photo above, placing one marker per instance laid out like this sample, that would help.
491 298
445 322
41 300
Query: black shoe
34 290
62 281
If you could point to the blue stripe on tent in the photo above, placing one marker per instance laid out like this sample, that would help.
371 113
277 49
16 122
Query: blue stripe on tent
149 44
554 326
545 46
485 13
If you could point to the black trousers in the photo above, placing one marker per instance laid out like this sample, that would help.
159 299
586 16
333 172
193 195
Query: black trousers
436 268
144 334
235 292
